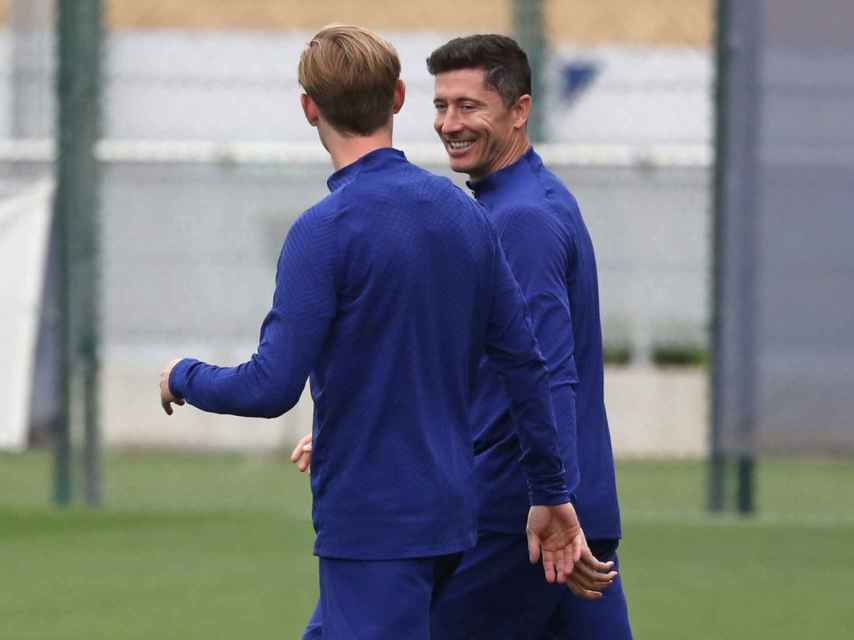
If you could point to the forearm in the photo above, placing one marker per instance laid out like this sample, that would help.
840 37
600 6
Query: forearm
267 385
540 442
515 352
563 402
552 323
245 390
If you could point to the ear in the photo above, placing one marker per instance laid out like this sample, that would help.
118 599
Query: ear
399 96
521 110
309 108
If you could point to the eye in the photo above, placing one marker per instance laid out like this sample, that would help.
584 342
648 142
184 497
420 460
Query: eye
467 106
440 107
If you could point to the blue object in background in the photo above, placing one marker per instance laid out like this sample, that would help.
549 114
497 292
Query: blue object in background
575 77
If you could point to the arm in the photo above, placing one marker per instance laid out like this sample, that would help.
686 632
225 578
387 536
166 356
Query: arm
538 258
553 529
512 347
292 334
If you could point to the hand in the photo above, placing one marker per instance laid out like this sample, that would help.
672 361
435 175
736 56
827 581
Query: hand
301 455
590 576
166 397
554 532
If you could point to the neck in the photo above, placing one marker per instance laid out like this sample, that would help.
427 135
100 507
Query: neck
345 150
517 148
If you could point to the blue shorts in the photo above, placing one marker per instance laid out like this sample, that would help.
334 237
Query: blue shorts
377 599
496 594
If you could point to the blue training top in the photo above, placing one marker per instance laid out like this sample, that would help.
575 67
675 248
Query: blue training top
389 291
551 256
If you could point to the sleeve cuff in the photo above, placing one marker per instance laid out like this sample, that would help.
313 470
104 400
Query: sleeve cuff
178 378
550 493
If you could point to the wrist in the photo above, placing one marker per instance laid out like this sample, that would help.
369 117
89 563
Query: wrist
177 378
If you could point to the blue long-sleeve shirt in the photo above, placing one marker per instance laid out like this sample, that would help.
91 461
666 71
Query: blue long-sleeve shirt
388 292
551 256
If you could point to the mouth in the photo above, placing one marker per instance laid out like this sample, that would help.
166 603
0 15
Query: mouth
458 147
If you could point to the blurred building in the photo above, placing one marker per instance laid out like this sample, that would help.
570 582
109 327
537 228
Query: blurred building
204 137
621 72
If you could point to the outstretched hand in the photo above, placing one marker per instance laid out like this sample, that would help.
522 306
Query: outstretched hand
166 397
554 533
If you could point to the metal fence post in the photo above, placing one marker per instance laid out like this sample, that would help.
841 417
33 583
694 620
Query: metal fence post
717 458
79 35
529 28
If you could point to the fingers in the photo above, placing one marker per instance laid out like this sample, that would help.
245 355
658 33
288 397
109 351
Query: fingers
304 461
549 560
593 579
301 455
591 561
167 405
533 547
578 545
583 586
591 564
304 444
297 452
564 565
581 592
557 563
166 397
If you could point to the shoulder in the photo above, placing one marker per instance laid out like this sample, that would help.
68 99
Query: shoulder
440 186
530 218
313 232
534 230
556 193
443 192
315 217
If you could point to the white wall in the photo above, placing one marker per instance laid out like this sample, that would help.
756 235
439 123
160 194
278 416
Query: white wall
227 86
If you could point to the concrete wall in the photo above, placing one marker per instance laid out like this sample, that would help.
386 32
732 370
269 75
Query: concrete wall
653 413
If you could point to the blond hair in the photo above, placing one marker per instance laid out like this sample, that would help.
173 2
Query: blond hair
351 74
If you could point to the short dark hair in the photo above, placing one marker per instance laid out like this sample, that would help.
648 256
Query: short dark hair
503 61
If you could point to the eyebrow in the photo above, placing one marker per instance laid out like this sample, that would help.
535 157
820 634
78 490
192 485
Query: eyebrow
459 99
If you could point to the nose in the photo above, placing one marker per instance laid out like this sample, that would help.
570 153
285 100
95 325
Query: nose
451 122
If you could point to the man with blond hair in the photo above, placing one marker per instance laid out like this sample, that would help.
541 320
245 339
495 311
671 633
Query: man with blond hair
388 292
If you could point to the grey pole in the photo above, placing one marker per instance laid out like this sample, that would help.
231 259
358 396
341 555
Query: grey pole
717 458
736 251
746 206
79 54
529 29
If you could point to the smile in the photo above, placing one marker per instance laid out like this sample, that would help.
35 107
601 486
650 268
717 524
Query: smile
459 145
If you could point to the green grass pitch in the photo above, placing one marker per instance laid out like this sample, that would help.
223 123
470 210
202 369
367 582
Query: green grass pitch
203 547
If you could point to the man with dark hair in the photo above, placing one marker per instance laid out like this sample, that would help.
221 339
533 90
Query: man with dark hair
388 292
482 101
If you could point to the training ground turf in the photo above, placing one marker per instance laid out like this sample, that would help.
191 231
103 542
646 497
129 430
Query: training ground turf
219 547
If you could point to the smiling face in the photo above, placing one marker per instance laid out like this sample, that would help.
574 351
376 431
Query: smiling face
481 133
